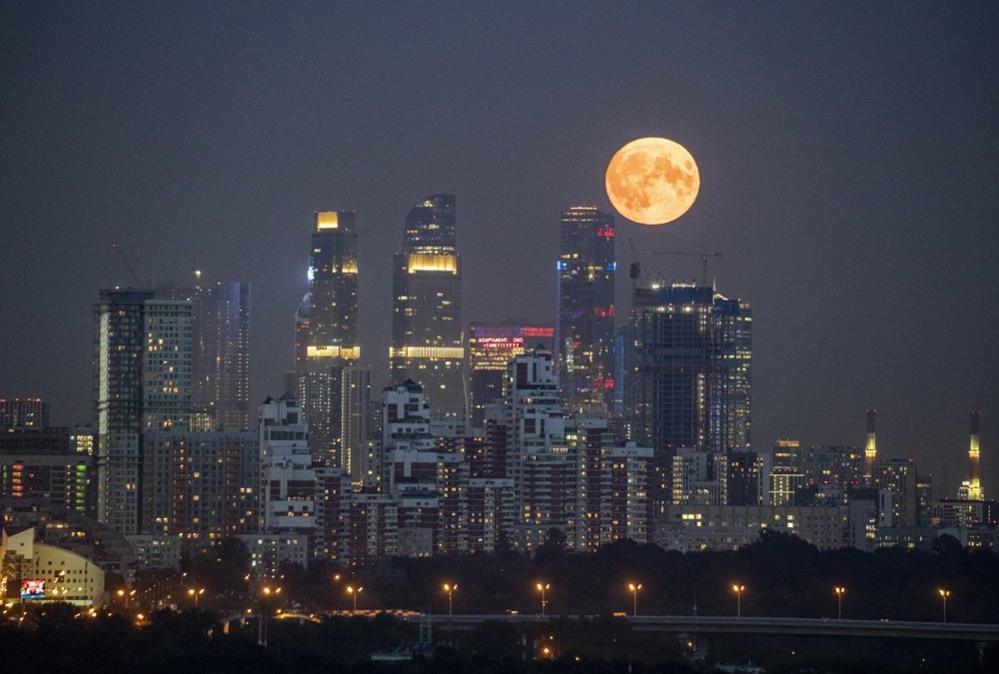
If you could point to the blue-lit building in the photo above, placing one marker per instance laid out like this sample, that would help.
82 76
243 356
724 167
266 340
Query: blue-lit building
584 329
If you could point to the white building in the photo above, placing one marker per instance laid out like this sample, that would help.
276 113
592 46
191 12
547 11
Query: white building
288 482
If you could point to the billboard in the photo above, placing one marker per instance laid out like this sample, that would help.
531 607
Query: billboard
33 589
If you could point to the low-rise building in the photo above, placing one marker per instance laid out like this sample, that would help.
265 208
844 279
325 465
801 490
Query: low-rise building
691 528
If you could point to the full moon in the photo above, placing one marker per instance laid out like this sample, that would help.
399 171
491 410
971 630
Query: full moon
652 181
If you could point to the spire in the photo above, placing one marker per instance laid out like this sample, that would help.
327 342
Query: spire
974 472
871 450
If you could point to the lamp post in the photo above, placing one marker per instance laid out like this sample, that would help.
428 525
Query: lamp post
450 589
634 588
266 593
944 593
122 594
543 589
738 589
840 591
196 594
353 592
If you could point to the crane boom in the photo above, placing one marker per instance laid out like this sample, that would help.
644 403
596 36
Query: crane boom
128 265
704 255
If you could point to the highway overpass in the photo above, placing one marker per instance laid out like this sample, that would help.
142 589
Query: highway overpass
692 625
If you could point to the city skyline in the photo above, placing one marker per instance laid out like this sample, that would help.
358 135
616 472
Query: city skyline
876 253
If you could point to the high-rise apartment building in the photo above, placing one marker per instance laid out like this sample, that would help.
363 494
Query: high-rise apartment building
355 430
426 321
490 348
584 329
220 353
288 481
205 484
841 466
899 478
142 378
689 383
534 419
331 321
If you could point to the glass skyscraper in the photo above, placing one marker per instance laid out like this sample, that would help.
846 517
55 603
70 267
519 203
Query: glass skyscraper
220 368
331 345
426 319
584 330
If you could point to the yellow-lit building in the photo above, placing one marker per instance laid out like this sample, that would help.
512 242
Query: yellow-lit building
427 341
46 573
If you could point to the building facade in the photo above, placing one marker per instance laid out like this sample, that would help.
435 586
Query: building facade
490 348
23 413
584 329
427 341
690 380
331 321
142 384
220 347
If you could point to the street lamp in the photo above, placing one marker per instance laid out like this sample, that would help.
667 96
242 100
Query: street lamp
196 594
633 588
738 589
353 592
840 591
944 593
450 589
266 593
122 594
543 589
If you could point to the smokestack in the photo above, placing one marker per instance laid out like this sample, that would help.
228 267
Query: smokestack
871 450
974 470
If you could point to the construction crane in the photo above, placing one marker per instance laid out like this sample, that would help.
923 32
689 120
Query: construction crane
128 265
704 255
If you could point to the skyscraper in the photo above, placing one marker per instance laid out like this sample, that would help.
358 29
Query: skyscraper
689 384
332 343
220 367
584 329
426 321
142 383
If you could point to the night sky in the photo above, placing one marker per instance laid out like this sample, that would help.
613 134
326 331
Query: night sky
848 157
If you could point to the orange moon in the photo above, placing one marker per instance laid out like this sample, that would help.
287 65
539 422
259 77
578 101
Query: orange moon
652 181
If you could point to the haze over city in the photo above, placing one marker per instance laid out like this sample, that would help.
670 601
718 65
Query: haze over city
847 160
383 206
